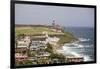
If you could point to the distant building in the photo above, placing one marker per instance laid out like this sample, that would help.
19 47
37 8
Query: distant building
34 46
44 54
55 60
22 50
40 39
27 39
38 43
74 59
20 57
33 59
52 39
22 43
56 28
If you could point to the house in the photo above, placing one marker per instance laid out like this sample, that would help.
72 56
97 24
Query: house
52 39
20 57
34 48
38 43
74 59
34 45
55 60
22 47
22 43
27 39
22 50
41 38
42 46
33 59
44 54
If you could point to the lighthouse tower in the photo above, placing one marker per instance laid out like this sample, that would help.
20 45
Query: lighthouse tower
53 23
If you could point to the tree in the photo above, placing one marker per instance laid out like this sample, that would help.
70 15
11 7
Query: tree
49 48
32 53
28 62
43 61
60 57
19 63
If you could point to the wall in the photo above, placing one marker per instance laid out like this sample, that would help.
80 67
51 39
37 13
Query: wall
5 34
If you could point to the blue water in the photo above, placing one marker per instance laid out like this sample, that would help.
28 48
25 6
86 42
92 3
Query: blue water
85 47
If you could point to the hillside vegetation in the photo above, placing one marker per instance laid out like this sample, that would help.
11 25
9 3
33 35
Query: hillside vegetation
35 30
65 37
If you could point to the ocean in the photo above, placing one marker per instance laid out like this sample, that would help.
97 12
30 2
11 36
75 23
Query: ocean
83 48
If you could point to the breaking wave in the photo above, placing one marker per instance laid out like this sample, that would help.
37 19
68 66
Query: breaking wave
83 39
76 49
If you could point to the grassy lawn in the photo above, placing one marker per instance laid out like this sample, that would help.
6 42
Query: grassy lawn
67 38
35 30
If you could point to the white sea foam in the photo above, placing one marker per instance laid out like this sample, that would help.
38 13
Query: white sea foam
73 49
64 48
86 57
80 45
67 44
75 54
67 51
83 39
74 45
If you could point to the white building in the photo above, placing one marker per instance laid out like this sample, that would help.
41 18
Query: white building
74 59
44 54
20 57
22 43
52 39
38 45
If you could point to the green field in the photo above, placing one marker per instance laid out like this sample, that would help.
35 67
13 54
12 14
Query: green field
35 30
65 37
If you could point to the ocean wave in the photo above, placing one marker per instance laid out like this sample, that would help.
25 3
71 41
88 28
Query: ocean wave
74 45
77 45
84 46
86 57
67 52
77 49
83 39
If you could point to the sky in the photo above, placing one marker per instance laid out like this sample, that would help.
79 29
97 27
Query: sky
44 15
